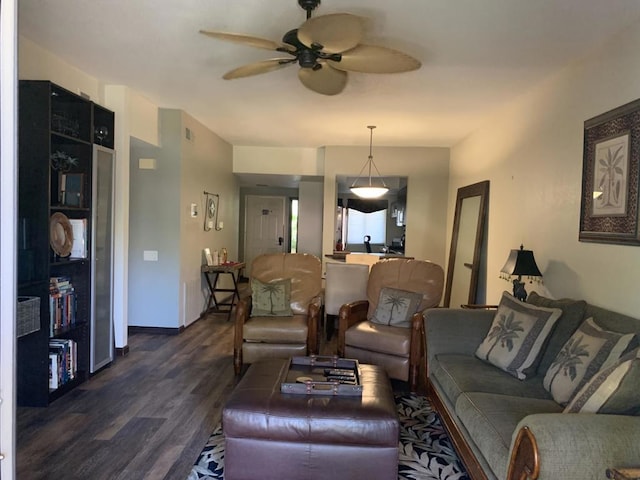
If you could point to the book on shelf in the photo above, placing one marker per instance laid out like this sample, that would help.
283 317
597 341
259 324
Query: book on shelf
63 361
79 245
62 304
60 281
53 371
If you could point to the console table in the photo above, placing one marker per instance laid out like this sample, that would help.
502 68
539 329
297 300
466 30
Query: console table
212 274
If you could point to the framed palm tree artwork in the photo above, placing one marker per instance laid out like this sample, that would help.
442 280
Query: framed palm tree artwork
610 173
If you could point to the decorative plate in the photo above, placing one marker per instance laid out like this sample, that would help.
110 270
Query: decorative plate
60 234
211 207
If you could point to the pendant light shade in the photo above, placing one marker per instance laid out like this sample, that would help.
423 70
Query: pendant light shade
368 188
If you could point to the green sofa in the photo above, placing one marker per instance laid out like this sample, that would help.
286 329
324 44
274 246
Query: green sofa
506 428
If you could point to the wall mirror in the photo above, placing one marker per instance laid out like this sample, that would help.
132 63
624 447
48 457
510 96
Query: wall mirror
467 239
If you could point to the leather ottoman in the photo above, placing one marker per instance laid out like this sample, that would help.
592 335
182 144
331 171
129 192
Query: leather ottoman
271 435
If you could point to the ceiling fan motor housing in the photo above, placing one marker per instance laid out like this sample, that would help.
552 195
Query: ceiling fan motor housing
307 56
309 5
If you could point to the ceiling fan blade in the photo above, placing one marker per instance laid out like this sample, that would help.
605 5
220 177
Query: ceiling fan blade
258 68
325 80
375 59
336 32
247 40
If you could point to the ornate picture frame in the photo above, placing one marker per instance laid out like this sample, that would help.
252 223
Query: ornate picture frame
609 210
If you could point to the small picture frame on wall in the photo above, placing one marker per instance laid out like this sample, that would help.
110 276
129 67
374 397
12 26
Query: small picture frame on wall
609 210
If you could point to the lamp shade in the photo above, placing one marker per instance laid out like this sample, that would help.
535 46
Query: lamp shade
369 192
521 262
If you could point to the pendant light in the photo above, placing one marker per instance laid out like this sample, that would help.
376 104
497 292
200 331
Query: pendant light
370 189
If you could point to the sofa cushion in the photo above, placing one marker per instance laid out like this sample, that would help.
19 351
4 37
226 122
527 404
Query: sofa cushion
588 350
271 299
396 307
613 390
517 335
491 420
457 373
571 318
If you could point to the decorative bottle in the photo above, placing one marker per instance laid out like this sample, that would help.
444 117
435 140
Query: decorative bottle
223 256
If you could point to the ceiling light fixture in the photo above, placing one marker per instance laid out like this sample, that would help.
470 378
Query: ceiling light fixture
370 190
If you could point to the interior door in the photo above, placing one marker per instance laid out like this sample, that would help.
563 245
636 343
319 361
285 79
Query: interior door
264 227
102 254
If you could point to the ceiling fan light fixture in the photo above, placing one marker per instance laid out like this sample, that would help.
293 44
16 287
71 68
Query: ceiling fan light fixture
371 189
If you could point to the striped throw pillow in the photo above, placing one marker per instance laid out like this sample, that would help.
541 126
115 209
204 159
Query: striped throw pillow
613 390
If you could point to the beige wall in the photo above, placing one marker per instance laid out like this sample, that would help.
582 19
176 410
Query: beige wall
206 166
532 154
36 63
277 160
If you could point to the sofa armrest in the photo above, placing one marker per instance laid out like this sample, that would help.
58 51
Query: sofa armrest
573 446
455 330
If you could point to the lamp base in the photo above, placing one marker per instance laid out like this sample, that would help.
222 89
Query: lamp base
518 290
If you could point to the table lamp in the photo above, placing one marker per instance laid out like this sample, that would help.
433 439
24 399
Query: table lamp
520 263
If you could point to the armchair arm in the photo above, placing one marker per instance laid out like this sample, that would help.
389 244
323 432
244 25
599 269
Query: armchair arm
416 349
313 324
573 446
243 311
350 314
454 330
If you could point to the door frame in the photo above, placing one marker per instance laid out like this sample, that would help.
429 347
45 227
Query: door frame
8 233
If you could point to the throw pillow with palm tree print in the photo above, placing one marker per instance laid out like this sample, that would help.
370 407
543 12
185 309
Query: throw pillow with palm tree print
612 390
396 307
589 350
516 336
271 299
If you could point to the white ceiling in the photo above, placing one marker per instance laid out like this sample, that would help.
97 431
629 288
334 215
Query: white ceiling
476 55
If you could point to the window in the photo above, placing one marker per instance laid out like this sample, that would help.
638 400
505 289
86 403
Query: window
360 224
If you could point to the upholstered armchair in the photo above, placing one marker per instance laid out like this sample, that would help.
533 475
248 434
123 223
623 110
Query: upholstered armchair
387 328
280 317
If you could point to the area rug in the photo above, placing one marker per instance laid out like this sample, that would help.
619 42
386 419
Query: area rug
425 450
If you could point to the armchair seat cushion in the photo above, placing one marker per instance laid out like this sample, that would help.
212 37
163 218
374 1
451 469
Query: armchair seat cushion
379 338
276 329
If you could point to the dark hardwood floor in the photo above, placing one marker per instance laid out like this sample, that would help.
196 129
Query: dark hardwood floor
147 416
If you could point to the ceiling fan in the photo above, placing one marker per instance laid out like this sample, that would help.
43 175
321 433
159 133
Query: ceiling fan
325 47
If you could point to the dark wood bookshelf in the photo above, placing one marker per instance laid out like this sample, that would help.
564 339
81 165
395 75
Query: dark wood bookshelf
55 141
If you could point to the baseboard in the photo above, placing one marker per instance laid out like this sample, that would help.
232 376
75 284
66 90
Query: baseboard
122 351
156 330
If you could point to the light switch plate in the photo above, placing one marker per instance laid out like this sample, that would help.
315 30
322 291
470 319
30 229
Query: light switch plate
150 255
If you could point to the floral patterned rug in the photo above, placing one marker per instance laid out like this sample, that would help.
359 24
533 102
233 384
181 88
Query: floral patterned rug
425 450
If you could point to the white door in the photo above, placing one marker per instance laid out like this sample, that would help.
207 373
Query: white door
264 227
